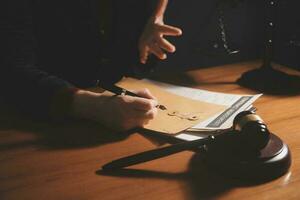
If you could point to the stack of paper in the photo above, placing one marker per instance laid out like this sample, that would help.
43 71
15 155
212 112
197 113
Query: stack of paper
191 113
223 120
180 113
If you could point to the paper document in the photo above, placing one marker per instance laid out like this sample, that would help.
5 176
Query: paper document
181 113
223 120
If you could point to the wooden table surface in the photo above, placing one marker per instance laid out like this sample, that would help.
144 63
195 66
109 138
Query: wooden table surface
63 161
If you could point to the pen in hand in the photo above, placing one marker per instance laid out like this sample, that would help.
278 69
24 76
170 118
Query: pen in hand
121 91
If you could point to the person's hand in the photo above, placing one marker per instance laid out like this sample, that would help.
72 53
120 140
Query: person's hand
115 111
152 40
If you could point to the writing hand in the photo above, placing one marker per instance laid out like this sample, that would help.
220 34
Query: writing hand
116 111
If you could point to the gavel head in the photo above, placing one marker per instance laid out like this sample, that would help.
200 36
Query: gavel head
254 134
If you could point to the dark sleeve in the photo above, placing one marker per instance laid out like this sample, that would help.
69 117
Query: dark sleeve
127 28
21 80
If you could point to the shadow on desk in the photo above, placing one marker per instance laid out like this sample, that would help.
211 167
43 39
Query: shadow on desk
21 131
202 182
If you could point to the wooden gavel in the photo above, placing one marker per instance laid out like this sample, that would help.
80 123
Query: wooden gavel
248 129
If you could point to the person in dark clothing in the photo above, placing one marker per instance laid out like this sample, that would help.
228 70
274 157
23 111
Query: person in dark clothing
51 51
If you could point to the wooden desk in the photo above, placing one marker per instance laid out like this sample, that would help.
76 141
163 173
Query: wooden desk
42 161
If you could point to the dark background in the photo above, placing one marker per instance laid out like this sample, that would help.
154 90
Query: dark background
201 44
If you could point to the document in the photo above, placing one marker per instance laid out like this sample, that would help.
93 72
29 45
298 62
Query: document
220 121
181 112
191 113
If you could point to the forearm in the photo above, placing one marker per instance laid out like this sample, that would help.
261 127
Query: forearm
160 8
36 92
89 105
22 81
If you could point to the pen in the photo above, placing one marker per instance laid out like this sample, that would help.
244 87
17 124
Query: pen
122 91
118 90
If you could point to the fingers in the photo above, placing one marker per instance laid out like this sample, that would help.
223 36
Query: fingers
153 41
144 54
169 30
146 93
144 116
166 45
143 107
138 113
143 104
155 49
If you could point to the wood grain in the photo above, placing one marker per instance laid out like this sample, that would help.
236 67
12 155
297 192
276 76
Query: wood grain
62 161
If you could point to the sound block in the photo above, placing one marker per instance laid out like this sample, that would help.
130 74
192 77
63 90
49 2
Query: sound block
230 159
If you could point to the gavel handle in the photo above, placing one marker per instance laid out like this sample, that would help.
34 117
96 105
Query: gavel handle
156 153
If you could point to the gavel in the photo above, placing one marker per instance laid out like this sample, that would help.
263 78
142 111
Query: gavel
248 143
